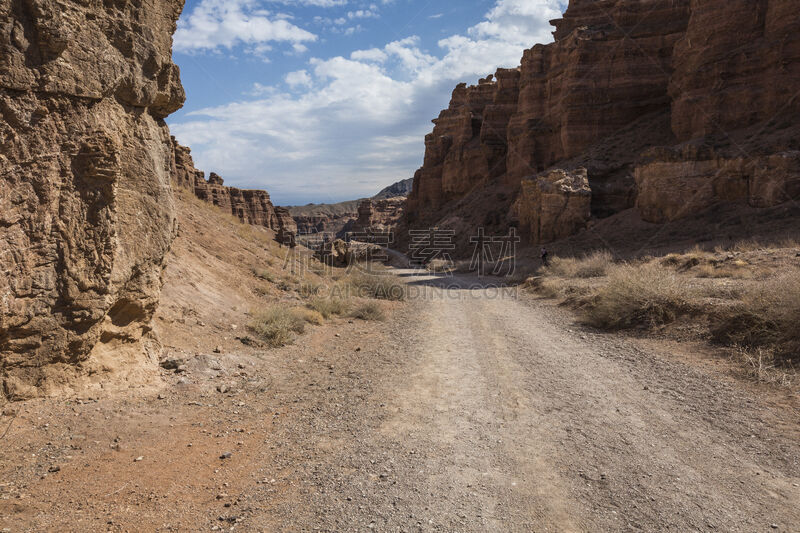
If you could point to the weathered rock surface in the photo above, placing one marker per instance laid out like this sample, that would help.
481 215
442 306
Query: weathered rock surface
554 205
86 212
251 206
376 220
378 213
712 82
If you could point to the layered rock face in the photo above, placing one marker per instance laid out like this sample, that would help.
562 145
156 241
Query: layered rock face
382 210
86 212
252 206
735 107
554 205
712 82
376 216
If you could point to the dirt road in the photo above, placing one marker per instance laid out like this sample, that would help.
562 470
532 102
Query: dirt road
470 410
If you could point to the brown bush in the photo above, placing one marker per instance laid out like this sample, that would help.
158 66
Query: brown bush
369 311
277 325
593 265
329 307
767 316
638 295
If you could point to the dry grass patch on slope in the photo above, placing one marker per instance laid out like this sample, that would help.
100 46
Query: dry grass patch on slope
277 325
369 311
638 295
767 315
593 265
329 306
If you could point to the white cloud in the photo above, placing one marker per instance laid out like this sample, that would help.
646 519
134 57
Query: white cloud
351 125
298 78
362 14
217 24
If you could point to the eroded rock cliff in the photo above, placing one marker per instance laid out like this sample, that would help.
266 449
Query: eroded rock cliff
86 211
251 206
670 105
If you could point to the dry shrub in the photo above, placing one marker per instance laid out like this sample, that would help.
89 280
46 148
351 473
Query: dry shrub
264 274
329 307
638 295
309 289
767 316
309 315
593 265
380 286
735 270
369 311
277 325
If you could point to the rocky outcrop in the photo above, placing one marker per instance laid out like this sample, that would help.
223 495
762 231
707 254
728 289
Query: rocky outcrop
86 211
399 189
712 82
554 205
379 213
251 206
735 106
674 183
376 218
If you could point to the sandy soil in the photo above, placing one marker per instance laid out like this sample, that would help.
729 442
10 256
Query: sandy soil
468 410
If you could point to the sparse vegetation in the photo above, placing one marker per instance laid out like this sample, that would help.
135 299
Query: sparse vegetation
746 296
264 274
329 306
767 315
380 286
593 265
308 289
638 295
369 311
277 325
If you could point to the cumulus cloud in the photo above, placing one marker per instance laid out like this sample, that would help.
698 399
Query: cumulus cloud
351 125
217 24
298 78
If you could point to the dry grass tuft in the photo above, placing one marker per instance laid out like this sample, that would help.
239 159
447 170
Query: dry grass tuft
593 265
735 270
767 316
264 274
328 307
309 289
369 311
277 325
638 295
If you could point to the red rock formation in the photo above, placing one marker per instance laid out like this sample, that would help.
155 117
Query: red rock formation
364 220
252 206
621 78
376 218
86 210
554 205
738 64
737 72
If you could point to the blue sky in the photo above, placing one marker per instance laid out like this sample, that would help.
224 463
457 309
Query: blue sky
330 100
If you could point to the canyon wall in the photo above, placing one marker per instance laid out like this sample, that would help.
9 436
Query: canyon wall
86 208
379 213
251 206
669 105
